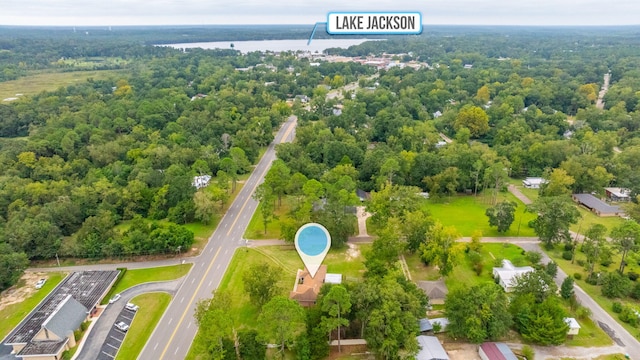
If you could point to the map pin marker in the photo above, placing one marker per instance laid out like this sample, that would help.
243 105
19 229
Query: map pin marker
312 242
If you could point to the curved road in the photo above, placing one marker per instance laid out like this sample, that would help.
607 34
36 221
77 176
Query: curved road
101 328
172 337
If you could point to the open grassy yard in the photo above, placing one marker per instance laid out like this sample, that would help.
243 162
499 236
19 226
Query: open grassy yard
11 315
594 290
255 230
590 335
139 276
152 306
49 81
467 214
588 218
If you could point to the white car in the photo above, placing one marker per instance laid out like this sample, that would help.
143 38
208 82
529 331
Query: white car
121 326
115 298
132 307
40 283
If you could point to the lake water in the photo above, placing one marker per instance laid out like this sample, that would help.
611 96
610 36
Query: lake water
273 45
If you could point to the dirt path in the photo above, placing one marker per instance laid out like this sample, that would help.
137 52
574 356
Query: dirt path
445 138
363 215
517 193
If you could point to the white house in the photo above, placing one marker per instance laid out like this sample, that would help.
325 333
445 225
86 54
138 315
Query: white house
574 327
508 273
533 182
201 181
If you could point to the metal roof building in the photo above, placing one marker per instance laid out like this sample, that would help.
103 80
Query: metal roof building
430 349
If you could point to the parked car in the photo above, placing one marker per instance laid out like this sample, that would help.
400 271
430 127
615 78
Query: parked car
121 326
132 307
40 283
115 298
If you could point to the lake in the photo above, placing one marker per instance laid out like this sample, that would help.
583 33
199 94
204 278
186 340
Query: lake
274 45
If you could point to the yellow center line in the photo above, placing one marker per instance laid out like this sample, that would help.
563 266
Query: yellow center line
286 134
188 306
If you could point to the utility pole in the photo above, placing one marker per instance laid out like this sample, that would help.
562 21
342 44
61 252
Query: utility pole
57 260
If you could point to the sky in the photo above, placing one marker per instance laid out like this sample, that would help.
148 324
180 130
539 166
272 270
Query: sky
219 12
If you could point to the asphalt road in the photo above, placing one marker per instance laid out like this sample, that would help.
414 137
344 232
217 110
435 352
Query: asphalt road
175 332
91 349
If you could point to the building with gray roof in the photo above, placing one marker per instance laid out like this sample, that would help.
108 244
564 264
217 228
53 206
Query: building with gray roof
430 349
596 205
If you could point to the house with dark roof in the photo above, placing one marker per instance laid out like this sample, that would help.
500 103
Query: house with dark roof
436 291
496 351
430 349
48 330
597 206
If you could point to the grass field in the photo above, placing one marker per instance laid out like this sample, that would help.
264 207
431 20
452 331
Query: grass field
152 306
139 276
588 218
11 315
49 81
255 230
594 290
467 214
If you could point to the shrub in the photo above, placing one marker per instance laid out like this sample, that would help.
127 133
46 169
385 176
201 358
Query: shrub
478 267
552 269
606 262
497 262
533 256
580 262
577 276
583 312
567 255
633 276
592 279
568 246
615 285
629 316
528 353
437 327
635 293
616 307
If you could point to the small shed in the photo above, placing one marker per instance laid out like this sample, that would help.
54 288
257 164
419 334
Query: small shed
574 327
618 194
533 182
430 349
495 351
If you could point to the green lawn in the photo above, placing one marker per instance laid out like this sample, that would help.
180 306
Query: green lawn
11 315
49 81
139 276
588 218
532 194
590 335
594 290
152 306
255 230
467 214
464 276
244 312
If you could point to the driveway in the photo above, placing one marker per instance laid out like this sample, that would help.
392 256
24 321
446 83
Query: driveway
95 340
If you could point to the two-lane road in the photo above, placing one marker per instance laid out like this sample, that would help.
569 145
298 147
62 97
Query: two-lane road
175 332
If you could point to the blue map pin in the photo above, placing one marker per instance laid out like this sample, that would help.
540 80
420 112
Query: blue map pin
312 242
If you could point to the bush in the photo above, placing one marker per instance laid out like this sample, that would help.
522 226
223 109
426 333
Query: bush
635 293
437 327
568 246
552 269
478 267
567 255
633 276
577 276
583 312
580 262
616 307
629 316
615 285
528 352
534 257
592 279
606 262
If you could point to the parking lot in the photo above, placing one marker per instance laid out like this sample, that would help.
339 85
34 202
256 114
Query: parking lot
116 336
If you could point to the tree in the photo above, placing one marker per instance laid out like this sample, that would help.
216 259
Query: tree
277 179
282 320
625 238
266 198
336 304
474 119
502 215
393 201
540 322
249 347
594 245
204 205
416 226
497 175
615 285
385 250
261 282
537 283
215 323
566 289
478 313
555 214
12 265
559 184
441 248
